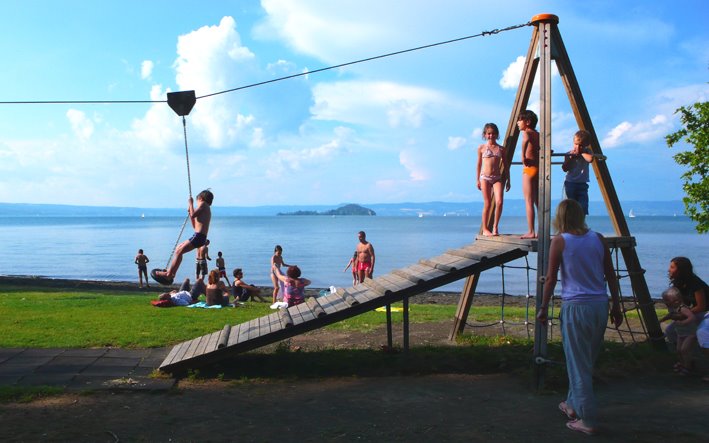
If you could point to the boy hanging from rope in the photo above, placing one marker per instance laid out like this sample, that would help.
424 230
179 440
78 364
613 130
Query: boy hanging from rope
200 218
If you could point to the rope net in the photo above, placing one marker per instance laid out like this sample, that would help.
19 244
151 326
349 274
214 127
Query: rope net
521 321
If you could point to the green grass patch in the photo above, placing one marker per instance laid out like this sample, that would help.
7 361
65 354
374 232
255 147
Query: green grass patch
26 394
86 319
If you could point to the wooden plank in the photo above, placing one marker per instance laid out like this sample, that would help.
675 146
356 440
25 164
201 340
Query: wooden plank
171 355
252 326
335 303
376 287
361 294
415 279
439 266
202 345
477 256
223 336
305 312
234 335
274 320
263 326
397 283
286 319
426 272
192 349
315 307
295 315
347 297
212 343
243 332
329 303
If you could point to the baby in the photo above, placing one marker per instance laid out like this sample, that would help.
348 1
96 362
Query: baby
686 326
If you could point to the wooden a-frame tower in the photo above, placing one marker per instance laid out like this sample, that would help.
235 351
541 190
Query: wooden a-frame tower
547 46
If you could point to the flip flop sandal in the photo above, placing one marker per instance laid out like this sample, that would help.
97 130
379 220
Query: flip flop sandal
578 426
567 411
162 279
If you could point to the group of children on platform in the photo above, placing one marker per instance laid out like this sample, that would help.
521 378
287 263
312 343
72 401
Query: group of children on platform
493 172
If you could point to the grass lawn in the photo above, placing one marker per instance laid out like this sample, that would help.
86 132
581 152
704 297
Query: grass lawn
42 318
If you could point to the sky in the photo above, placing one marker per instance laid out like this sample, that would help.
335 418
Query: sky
398 129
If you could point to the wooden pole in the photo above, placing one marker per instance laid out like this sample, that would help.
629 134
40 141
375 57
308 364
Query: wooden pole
544 23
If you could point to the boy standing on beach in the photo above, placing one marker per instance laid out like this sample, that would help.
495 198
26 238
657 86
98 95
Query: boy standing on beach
202 257
575 165
142 261
200 218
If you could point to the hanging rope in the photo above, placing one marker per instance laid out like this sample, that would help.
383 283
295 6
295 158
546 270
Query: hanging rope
189 186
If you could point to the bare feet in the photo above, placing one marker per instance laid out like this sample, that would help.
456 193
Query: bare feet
529 235
487 233
495 233
161 276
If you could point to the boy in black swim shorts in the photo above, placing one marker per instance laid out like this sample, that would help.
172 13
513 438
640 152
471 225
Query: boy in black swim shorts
200 217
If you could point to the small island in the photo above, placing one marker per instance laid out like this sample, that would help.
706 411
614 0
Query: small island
350 209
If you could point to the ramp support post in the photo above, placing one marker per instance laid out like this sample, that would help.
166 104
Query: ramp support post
464 304
406 324
389 338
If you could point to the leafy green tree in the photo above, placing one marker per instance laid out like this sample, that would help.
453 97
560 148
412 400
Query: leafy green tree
695 131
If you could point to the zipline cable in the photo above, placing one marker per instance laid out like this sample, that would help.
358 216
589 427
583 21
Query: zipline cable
341 65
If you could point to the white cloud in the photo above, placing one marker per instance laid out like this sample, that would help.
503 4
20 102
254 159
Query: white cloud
513 73
409 160
206 62
638 132
82 126
289 160
371 103
146 69
455 143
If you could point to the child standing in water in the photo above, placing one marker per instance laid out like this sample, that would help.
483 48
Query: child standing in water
353 263
527 122
142 261
492 174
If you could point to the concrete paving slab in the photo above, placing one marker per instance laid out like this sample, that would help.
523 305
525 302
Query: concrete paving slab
9 380
72 360
59 380
17 369
60 369
22 359
108 371
30 352
123 361
7 353
84 352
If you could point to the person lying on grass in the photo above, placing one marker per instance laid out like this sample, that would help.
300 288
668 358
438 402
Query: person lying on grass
185 296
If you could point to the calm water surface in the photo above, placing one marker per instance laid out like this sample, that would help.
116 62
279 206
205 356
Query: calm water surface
103 248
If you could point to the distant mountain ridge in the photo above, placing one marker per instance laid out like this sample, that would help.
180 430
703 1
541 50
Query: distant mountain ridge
409 209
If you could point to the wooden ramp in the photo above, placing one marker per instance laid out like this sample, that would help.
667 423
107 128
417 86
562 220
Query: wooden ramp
396 286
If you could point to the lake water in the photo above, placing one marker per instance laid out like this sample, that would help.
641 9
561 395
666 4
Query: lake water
103 248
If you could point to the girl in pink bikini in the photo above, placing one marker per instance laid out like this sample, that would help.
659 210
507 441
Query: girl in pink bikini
492 176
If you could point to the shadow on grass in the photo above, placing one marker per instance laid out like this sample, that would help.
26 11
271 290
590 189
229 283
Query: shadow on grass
472 356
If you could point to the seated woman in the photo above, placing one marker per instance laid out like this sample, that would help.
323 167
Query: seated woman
216 290
293 285
243 291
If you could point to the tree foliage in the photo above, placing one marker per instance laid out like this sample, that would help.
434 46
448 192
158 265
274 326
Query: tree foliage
695 132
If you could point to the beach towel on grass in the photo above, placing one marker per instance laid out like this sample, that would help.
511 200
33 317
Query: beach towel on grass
203 304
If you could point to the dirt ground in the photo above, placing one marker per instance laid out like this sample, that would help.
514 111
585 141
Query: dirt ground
472 405
657 406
